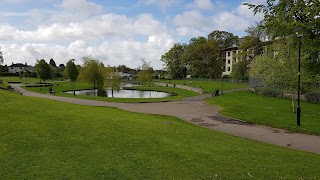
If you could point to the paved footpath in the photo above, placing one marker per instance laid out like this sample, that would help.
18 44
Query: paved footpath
194 110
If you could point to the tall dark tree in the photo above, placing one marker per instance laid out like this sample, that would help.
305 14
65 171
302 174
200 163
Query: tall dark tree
72 73
52 63
1 61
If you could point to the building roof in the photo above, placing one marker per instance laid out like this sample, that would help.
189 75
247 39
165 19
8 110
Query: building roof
19 65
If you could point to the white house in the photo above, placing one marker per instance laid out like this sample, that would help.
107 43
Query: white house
16 68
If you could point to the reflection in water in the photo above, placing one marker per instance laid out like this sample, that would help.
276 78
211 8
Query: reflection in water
124 93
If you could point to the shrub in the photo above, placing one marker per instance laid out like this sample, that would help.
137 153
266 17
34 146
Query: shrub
313 98
269 93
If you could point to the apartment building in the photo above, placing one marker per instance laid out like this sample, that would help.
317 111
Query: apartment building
229 58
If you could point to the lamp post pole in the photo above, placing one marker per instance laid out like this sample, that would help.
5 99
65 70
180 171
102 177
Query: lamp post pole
222 80
299 76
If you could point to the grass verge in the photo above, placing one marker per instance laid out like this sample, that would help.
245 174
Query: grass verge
208 86
43 139
268 111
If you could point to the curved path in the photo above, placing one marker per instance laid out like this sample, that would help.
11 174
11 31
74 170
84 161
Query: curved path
192 109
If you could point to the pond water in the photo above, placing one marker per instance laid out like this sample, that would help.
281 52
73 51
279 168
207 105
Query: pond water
124 93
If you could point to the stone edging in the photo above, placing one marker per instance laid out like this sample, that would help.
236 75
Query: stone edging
195 89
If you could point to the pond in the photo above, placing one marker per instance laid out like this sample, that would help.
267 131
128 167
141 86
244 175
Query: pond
124 93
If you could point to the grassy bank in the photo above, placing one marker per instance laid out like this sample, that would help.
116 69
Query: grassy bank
43 139
208 86
268 111
66 86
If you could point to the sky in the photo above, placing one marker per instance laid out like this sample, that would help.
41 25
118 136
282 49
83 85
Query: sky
117 32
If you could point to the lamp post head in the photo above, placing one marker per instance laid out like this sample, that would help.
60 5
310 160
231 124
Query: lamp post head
299 32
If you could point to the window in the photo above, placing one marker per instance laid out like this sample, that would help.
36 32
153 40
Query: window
229 54
21 68
229 69
11 68
228 61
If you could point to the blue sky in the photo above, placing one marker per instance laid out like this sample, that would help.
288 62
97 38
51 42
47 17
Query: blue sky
116 32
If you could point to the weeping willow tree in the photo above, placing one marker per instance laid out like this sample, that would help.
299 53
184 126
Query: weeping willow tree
93 71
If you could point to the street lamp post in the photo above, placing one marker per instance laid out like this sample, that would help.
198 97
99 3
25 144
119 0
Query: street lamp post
222 80
299 77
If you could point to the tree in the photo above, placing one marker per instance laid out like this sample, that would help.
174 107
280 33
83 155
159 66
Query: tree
1 61
202 57
72 73
224 39
285 17
25 74
93 72
145 75
43 69
280 67
113 79
52 63
240 71
173 60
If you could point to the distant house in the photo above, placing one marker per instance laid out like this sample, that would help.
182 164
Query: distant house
17 68
126 76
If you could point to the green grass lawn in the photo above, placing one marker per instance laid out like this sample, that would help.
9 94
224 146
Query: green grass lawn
208 86
43 139
65 86
22 80
268 111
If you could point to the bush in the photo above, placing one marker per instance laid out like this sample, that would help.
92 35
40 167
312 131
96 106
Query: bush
269 93
313 98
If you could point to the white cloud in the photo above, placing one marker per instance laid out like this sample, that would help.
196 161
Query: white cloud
201 4
163 4
247 13
80 6
228 21
191 19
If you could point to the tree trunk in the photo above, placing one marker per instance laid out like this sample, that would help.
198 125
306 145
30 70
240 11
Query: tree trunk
293 106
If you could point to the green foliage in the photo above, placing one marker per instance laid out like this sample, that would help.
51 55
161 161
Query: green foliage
174 62
224 39
72 73
240 71
112 79
145 73
93 72
43 69
273 112
285 17
144 76
202 57
280 67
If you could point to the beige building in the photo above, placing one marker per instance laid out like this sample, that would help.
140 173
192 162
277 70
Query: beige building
229 58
